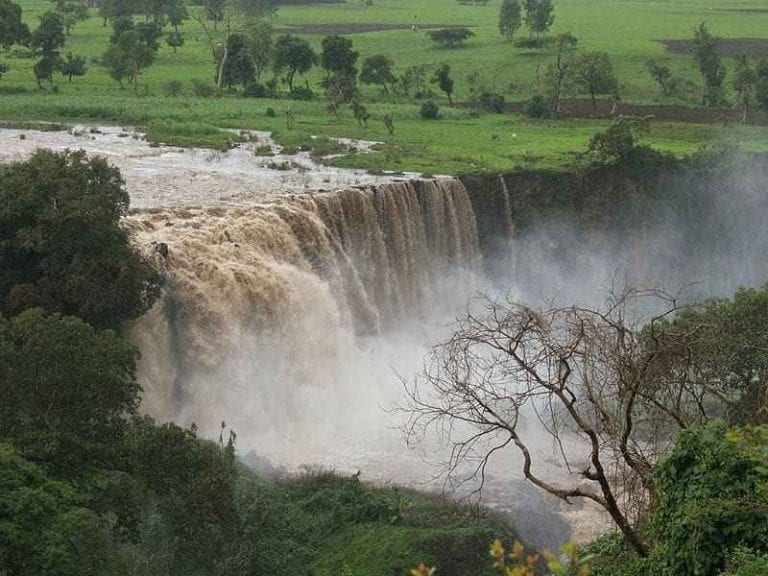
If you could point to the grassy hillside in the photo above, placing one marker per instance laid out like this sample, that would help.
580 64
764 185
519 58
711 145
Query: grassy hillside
630 31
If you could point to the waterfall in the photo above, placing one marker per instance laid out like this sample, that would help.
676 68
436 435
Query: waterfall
271 300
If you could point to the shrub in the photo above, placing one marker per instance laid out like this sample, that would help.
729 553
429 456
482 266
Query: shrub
270 112
302 93
174 87
451 37
203 89
491 102
429 110
536 107
256 90
712 500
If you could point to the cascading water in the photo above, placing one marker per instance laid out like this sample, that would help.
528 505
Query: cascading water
293 316
264 305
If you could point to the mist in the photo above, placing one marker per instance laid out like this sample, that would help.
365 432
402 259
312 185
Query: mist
297 321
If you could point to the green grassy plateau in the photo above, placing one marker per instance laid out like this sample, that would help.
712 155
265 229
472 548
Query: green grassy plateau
462 141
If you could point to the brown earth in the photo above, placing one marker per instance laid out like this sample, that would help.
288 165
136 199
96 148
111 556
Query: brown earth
362 27
577 108
755 47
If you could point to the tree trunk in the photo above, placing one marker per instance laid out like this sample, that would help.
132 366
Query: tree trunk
220 77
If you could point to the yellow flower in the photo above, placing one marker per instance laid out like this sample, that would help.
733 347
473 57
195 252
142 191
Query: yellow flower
517 550
422 570
497 552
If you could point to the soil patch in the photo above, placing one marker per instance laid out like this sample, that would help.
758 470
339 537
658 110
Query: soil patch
755 47
576 108
362 27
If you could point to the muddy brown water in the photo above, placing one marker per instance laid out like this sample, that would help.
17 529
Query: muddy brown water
339 423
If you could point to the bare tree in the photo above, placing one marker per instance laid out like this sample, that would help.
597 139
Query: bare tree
593 377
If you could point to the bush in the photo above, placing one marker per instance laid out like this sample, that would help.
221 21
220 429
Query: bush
491 102
174 87
203 89
451 37
536 107
256 90
713 497
302 93
429 110
270 112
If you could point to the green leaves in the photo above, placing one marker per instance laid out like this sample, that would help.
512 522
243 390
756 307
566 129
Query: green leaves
65 390
61 247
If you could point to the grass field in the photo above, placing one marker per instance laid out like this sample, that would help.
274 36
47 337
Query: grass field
630 31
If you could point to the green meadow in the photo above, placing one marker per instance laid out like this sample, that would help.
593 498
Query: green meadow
462 140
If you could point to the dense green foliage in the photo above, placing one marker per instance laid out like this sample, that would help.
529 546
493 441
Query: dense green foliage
727 344
712 509
61 247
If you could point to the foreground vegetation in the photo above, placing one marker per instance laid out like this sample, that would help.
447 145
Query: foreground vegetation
177 95
88 486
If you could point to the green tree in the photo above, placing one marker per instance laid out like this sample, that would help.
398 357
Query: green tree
49 36
539 16
377 69
444 81
451 37
44 528
12 28
239 67
338 57
260 46
61 246
292 55
594 74
175 40
560 72
236 17
745 83
707 57
47 40
619 141
177 13
71 13
194 483
722 343
65 391
510 18
127 57
661 74
713 498
73 65
761 87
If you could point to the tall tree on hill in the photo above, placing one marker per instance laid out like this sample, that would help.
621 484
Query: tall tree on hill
231 17
338 57
12 28
128 57
47 40
377 69
560 72
594 74
71 13
444 81
510 18
539 16
707 56
340 63
239 68
292 55
745 83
